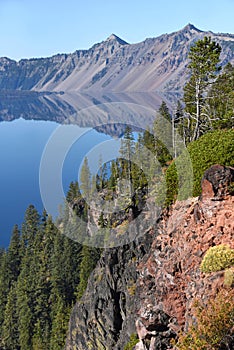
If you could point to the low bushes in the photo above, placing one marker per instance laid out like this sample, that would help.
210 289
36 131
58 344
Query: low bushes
217 258
212 148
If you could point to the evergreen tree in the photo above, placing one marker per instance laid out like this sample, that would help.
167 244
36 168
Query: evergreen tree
164 111
102 175
44 244
90 256
25 318
147 140
145 154
127 144
127 151
85 179
220 105
32 237
4 287
113 176
13 255
73 193
10 333
26 286
29 228
178 127
38 281
204 59
61 314
163 135
70 273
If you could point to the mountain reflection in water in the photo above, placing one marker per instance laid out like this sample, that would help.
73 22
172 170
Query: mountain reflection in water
22 139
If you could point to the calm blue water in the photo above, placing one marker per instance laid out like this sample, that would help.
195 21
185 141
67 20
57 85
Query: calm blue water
21 146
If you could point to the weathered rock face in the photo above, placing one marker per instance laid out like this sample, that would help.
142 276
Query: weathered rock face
113 65
106 314
170 278
148 287
216 181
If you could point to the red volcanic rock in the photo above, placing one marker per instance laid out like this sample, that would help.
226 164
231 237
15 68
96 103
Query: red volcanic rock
156 301
216 181
172 270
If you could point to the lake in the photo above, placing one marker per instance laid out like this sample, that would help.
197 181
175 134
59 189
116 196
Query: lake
49 143
21 147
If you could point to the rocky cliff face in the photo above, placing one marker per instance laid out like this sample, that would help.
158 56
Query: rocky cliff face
148 287
113 65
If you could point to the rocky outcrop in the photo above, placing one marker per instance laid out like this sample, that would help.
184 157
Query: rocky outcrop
148 287
216 182
106 314
170 278
156 64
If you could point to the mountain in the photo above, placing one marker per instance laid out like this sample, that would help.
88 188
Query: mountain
155 64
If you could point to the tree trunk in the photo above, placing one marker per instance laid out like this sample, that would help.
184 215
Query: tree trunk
196 133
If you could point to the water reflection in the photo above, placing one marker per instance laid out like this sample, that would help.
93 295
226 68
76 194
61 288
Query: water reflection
60 107
22 143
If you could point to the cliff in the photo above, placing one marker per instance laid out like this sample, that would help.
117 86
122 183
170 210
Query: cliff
155 64
148 286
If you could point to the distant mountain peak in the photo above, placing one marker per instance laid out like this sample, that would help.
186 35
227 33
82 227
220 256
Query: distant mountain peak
114 37
190 27
113 65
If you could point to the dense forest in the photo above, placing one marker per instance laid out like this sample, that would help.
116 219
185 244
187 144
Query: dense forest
44 272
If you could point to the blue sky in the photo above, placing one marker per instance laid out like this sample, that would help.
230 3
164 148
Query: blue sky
33 28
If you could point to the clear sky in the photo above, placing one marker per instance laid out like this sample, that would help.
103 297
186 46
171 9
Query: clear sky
39 28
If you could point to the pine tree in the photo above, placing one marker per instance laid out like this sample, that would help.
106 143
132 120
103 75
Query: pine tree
127 151
25 317
13 255
85 179
4 287
112 182
29 228
178 128
220 101
204 59
73 193
127 144
163 135
61 314
90 256
42 307
32 236
102 175
164 111
10 268
144 151
10 333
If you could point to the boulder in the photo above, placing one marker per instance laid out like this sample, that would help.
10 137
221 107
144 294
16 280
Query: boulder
216 181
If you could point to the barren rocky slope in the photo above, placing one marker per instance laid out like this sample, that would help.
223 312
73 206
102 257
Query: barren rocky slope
149 286
156 64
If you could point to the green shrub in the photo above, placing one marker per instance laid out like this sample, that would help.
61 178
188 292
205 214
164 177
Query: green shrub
214 326
229 278
132 342
217 258
212 148
179 187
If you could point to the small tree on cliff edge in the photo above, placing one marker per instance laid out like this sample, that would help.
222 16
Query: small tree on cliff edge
204 59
